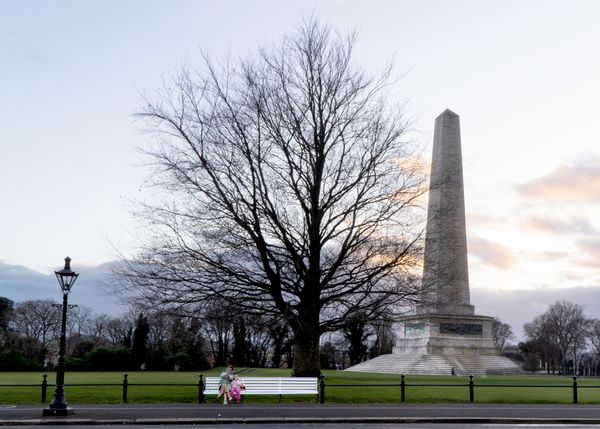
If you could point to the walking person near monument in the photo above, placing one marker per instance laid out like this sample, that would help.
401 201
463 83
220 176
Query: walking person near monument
226 377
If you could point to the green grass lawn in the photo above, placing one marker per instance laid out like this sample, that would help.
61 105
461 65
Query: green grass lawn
540 389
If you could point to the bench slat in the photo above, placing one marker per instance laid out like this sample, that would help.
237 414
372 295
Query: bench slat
269 386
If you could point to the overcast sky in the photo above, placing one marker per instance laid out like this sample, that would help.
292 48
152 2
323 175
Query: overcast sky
522 75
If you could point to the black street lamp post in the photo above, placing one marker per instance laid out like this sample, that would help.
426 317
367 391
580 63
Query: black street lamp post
58 407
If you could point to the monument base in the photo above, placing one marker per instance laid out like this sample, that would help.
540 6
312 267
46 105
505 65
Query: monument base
443 344
446 334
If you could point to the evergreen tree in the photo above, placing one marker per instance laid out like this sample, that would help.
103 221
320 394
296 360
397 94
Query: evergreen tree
6 311
356 331
140 340
239 342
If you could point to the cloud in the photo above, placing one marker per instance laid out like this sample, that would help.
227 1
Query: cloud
19 283
547 256
418 165
491 253
483 220
573 276
517 307
586 263
579 182
589 246
588 253
554 225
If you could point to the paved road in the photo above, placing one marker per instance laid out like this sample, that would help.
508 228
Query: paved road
337 426
304 413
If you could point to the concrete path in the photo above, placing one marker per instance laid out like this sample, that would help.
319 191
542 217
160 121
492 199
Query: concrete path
303 413
330 426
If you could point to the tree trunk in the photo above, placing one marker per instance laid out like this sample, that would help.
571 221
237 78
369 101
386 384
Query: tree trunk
306 355
239 352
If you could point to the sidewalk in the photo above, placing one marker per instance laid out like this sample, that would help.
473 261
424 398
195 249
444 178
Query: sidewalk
303 413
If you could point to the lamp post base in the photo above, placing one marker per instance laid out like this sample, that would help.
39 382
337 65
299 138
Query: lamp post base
57 411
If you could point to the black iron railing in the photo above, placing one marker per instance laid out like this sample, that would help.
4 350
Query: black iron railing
470 385
124 385
403 386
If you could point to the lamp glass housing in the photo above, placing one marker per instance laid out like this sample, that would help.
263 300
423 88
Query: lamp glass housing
66 277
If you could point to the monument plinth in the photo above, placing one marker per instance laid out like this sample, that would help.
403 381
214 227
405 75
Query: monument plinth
445 335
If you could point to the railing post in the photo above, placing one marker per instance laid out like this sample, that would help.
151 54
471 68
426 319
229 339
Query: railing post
574 390
201 399
44 387
471 389
402 389
125 383
322 385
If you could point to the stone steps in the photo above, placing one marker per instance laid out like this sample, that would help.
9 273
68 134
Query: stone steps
388 364
482 364
430 364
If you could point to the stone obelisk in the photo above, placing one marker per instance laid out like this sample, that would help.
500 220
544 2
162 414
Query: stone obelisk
445 323
445 270
445 335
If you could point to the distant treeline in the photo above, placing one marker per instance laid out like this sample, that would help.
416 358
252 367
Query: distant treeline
164 339
561 340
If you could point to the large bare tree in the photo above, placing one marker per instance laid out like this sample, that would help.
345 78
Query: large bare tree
501 334
563 326
291 190
37 323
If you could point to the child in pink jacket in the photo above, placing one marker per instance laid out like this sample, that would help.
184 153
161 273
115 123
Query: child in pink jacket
236 389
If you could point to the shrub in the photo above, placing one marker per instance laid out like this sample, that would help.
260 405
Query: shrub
13 360
181 359
77 364
109 359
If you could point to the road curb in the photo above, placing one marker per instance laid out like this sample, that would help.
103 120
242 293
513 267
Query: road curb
278 420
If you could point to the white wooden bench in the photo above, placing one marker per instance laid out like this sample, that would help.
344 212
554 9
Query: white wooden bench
269 386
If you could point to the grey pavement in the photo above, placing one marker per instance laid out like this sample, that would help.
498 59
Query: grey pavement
339 426
182 414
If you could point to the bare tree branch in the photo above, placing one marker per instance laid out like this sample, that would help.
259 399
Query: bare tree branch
286 190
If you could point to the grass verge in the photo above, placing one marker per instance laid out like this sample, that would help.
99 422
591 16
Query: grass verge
341 387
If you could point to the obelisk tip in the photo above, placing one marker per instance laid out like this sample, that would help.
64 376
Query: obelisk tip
448 112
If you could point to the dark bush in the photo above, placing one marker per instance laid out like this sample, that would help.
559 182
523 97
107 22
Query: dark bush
109 359
199 362
82 348
13 360
181 359
327 361
77 364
